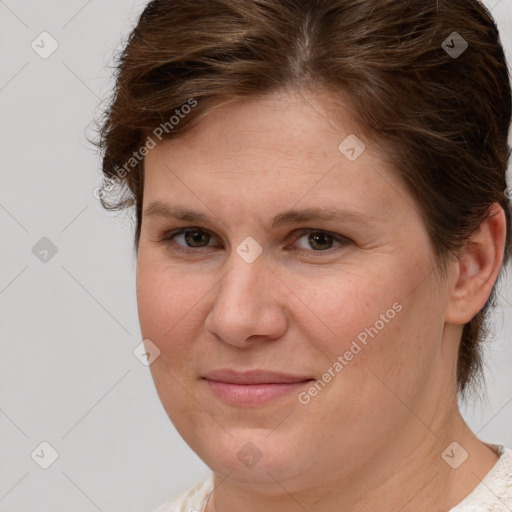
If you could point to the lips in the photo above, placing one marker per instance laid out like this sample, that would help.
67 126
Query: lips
253 387
254 377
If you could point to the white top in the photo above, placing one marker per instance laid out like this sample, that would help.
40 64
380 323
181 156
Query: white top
493 493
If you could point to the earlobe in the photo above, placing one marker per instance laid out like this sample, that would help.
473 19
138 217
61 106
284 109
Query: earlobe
478 267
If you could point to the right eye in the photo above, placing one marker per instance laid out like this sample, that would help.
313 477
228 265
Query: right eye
193 238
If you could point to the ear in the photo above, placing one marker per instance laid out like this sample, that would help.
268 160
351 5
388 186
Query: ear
477 268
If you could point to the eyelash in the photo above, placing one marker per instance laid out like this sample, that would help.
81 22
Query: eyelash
168 239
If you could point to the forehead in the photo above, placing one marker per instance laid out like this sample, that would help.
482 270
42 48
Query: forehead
283 122
280 148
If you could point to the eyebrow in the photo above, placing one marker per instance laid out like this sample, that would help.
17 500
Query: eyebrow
160 209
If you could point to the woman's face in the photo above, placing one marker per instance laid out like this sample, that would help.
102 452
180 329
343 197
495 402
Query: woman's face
348 303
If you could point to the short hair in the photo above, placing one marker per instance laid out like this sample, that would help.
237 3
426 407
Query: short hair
426 79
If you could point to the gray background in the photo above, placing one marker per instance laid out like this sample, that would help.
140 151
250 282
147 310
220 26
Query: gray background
68 326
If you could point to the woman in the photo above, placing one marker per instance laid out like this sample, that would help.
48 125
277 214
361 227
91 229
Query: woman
322 218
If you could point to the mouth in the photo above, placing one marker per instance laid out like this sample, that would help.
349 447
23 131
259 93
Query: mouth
254 387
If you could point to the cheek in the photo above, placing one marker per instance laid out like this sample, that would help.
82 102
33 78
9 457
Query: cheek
167 304
165 297
372 325
337 309
172 307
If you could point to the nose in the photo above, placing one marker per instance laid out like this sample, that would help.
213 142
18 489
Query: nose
249 304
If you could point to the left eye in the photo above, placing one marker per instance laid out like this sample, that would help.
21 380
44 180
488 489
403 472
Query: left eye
319 240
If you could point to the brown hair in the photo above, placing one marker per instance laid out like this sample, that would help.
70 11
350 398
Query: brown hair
442 117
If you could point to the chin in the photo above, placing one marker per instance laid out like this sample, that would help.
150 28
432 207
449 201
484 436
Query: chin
250 455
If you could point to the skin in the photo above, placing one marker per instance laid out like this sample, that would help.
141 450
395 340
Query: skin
372 439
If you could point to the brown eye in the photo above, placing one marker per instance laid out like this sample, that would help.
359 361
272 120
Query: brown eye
196 237
319 240
193 238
